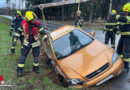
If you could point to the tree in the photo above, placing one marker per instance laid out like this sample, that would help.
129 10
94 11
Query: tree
110 9
90 10
8 4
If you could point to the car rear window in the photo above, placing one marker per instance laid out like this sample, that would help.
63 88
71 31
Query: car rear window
71 43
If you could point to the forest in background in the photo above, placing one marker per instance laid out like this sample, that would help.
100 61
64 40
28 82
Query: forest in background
94 9
91 10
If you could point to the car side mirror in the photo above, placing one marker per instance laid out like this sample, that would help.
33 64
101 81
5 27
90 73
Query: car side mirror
92 34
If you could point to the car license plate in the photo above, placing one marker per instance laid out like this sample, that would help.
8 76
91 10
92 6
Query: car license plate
104 80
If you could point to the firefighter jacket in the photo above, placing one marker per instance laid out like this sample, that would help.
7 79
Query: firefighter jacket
124 24
111 25
16 24
31 32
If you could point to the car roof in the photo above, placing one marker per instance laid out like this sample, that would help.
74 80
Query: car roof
61 31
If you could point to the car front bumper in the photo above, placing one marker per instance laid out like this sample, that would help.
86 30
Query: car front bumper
114 71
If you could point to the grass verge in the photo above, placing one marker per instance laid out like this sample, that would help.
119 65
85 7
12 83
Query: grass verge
8 65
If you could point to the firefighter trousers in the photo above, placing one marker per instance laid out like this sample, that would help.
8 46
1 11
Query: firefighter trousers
24 53
124 50
120 46
14 43
110 35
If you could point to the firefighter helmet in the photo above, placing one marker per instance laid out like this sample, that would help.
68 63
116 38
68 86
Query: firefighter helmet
18 12
114 11
126 7
30 16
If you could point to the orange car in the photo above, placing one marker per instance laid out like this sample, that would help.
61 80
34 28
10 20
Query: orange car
79 59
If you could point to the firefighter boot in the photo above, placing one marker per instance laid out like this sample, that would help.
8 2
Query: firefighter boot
12 51
19 71
36 69
126 66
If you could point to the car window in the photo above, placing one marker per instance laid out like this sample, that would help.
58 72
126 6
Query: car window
70 43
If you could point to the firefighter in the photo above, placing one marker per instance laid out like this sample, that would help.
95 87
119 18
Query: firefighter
110 29
14 28
123 48
78 19
31 29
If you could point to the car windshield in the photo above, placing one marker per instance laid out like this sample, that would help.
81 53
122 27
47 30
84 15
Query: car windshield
71 43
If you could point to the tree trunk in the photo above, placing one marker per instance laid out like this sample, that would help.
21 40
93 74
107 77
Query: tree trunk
91 13
9 6
58 13
63 13
19 4
110 9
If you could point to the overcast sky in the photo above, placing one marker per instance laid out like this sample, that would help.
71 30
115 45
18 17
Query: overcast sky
3 3
21 4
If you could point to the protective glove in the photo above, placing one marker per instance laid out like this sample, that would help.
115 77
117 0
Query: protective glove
44 37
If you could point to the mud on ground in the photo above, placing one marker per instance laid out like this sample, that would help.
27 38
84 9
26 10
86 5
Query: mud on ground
50 72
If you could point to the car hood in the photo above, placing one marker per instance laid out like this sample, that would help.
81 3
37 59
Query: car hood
87 60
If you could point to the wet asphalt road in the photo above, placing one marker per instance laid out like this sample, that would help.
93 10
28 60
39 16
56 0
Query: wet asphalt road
118 83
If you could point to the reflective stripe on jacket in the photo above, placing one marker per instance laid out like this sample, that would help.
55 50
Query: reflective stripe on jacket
110 25
124 24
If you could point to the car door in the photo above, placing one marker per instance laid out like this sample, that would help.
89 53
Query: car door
47 48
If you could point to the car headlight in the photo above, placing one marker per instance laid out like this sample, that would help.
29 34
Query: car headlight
76 81
115 57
